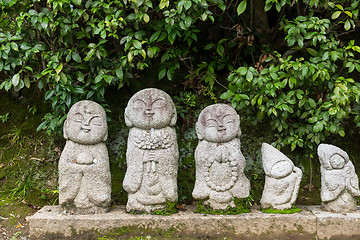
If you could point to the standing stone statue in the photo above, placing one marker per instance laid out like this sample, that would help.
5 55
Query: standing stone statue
339 182
152 151
84 172
219 162
282 179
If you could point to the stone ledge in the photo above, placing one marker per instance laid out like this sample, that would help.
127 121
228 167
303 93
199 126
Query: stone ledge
311 224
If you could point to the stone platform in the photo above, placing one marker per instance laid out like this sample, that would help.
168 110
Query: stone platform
310 223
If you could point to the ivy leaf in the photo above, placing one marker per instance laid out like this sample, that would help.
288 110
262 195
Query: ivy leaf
241 8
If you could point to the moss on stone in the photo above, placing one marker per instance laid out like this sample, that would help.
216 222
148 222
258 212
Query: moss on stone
294 209
241 207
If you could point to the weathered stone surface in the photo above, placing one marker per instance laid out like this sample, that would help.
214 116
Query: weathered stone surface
219 162
84 172
254 225
336 224
152 151
339 182
282 179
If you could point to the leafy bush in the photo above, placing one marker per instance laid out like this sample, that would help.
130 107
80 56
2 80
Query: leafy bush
308 91
287 62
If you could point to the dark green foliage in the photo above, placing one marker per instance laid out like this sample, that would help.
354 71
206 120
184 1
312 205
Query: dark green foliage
294 209
241 207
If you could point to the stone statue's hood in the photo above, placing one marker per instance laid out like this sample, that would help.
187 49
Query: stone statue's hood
325 151
271 156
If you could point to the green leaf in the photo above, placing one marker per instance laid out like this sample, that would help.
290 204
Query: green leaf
342 133
15 79
162 74
332 128
188 21
249 76
335 15
312 51
318 127
312 119
331 4
76 2
76 57
119 73
227 95
98 78
347 25
187 4
146 18
59 68
241 8
312 103
137 44
14 46
27 82
25 46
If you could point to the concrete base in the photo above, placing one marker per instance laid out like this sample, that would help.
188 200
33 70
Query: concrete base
305 225
336 224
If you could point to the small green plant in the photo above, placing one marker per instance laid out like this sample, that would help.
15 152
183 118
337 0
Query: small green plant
294 209
14 237
4 117
240 208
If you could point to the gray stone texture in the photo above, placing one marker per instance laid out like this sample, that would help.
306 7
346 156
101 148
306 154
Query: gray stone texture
339 182
152 151
254 225
331 225
84 172
282 179
219 162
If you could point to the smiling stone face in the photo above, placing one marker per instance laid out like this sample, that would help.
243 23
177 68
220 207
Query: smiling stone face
218 123
150 108
86 123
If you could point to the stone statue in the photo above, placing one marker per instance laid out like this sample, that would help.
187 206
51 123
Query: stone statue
339 182
152 151
282 179
84 172
219 162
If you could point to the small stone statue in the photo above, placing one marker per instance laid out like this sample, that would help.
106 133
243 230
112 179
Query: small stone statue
339 182
282 179
219 162
152 151
84 172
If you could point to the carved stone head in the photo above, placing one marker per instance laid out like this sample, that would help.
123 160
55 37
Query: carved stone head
332 157
218 123
150 108
86 123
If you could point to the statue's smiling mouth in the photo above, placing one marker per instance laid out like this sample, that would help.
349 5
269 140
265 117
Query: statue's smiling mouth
85 129
149 114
